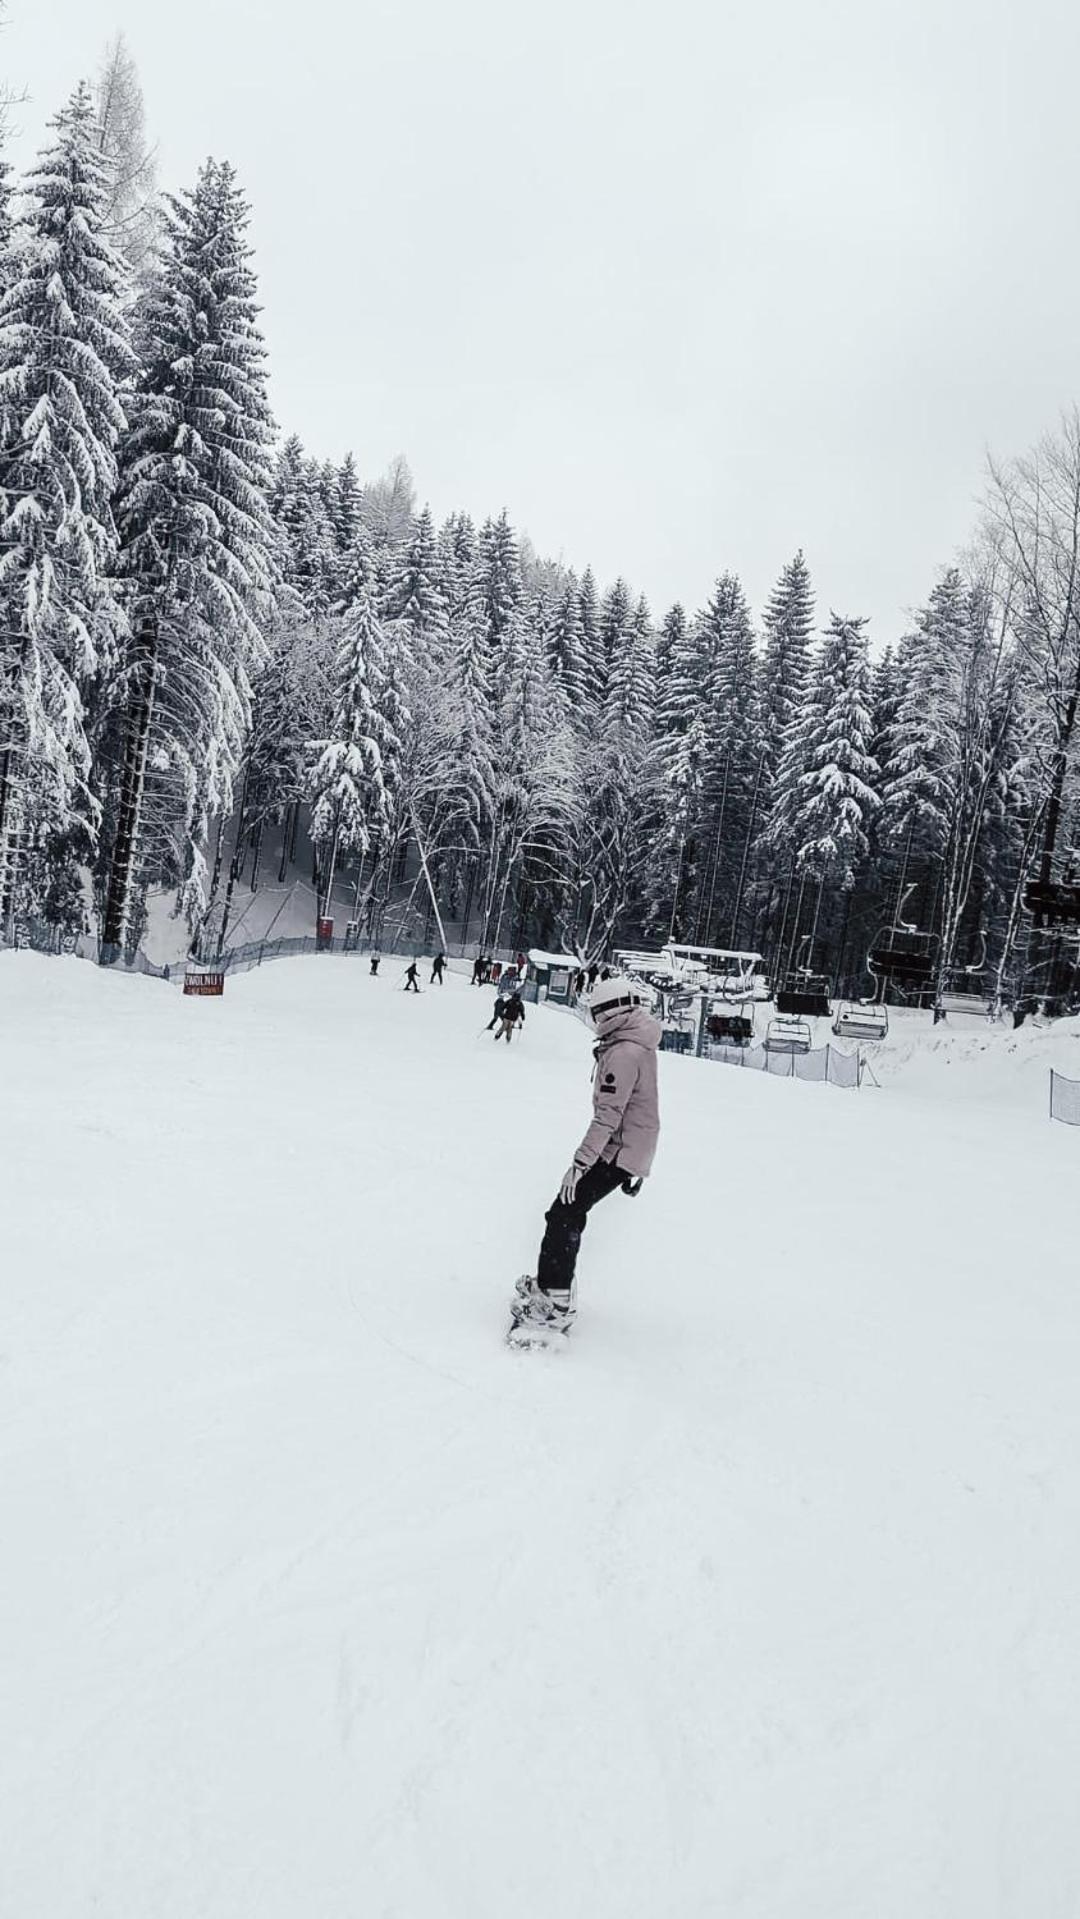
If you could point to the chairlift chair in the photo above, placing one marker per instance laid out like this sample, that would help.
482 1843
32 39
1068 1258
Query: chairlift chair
805 994
859 1019
731 1029
903 956
1052 904
733 987
959 996
787 1035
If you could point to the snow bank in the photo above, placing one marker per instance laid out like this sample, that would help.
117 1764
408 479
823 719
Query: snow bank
759 1601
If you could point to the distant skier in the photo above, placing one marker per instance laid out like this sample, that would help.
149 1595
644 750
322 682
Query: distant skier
591 975
375 957
616 1153
513 1014
477 971
437 968
412 983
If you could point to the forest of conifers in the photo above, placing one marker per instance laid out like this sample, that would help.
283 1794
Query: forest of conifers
208 636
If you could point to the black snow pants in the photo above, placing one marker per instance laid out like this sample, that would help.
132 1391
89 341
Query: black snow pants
565 1225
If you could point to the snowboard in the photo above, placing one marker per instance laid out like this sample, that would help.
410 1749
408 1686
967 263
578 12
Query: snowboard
527 1336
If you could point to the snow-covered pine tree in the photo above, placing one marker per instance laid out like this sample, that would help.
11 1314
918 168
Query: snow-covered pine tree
469 775
785 667
533 790
6 192
918 795
416 602
592 651
497 587
784 676
354 775
345 513
837 793
613 774
309 557
457 557
65 354
197 545
679 761
566 652
291 706
724 644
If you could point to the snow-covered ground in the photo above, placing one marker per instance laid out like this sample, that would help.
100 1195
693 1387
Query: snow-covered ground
760 1601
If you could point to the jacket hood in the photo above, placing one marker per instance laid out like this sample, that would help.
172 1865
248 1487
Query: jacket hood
635 1024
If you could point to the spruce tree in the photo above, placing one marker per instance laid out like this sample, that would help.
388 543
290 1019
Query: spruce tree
416 600
785 669
197 545
345 505
837 793
497 585
65 354
724 647
457 556
354 775
566 652
918 796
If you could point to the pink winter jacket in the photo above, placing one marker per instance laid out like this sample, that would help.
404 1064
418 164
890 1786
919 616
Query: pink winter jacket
626 1110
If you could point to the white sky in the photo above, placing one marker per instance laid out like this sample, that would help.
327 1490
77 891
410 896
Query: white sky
683 285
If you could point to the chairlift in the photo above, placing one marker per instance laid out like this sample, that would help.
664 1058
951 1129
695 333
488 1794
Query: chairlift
731 1029
803 993
901 955
862 1019
959 996
1053 904
735 988
787 1035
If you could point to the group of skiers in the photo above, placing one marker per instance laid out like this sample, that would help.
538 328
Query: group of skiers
484 970
412 977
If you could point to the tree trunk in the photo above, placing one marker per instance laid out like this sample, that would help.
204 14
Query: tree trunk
133 783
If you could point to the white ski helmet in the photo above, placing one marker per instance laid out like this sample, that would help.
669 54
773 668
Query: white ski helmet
617 996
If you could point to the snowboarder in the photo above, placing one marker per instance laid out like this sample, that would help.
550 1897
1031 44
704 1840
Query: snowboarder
375 957
437 968
412 984
513 1014
616 1154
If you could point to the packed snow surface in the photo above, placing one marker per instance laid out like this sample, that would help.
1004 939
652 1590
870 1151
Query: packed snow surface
760 1601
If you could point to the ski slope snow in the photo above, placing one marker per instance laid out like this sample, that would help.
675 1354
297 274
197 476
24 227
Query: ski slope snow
760 1601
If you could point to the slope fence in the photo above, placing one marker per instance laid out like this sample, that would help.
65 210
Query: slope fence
1064 1098
824 1065
40 936
241 959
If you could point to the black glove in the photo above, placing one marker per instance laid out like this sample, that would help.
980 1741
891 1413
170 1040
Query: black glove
632 1187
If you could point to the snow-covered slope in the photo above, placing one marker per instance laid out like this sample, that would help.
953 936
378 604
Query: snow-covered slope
760 1601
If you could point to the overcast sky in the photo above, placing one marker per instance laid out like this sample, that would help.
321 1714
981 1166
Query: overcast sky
684 286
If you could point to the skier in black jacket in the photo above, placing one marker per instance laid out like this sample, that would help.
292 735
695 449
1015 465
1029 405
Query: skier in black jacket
513 1014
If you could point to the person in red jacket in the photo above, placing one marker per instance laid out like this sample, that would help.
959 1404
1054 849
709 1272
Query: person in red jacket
615 1155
